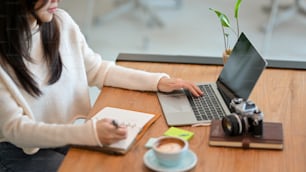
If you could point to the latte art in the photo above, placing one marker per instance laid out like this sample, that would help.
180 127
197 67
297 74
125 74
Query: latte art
169 151
169 147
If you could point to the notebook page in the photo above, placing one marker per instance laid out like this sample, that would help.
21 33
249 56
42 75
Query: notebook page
134 121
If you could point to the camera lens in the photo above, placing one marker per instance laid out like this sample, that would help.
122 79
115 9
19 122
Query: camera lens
231 125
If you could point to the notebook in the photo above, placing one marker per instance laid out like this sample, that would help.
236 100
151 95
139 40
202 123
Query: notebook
237 79
272 137
136 122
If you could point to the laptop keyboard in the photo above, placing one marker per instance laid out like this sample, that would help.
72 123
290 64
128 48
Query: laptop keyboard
206 107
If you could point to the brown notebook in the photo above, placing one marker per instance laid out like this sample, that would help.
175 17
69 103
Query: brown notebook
272 137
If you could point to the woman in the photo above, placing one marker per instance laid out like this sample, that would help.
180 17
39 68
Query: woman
46 68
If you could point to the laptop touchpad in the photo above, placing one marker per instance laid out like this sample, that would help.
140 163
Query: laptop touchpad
175 102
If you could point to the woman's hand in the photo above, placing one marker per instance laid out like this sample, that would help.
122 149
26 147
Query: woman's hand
108 133
166 84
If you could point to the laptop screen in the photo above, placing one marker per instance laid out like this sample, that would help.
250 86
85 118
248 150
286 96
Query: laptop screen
242 70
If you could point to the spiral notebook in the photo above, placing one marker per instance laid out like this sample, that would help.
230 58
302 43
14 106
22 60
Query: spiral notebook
136 122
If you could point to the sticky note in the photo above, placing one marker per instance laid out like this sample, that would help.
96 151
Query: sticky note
178 132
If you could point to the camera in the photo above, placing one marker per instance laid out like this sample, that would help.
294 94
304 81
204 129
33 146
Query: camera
245 118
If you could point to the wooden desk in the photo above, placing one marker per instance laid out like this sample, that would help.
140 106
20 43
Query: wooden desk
279 93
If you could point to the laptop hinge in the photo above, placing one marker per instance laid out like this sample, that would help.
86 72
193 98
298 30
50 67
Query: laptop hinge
226 93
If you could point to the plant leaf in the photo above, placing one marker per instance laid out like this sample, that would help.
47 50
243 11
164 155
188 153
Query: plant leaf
223 18
237 6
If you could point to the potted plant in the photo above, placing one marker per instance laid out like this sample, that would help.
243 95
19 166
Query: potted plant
226 28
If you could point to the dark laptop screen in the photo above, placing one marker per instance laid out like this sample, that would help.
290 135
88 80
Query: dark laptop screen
242 70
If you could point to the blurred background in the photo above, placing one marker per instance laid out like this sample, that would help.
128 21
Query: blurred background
188 27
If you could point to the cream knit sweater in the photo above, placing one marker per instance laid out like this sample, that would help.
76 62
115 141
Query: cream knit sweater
45 122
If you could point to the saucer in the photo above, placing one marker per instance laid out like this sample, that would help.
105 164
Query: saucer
189 161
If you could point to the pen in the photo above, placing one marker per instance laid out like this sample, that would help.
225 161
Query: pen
115 123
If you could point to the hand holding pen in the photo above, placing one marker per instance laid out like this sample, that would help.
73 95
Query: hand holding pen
109 131
115 123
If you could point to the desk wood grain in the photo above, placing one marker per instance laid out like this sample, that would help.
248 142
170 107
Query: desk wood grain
279 93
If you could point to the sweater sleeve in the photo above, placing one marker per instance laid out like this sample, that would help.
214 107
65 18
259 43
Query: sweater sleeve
128 78
21 129
101 72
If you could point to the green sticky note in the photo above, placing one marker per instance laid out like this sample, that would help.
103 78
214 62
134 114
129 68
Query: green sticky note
174 131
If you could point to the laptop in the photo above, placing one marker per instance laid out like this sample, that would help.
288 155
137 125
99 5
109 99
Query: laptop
236 80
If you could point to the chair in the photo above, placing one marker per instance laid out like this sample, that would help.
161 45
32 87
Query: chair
124 7
278 14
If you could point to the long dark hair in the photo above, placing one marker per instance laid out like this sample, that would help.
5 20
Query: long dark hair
16 38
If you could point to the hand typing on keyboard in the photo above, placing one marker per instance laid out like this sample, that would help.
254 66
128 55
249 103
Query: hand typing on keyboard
166 84
206 107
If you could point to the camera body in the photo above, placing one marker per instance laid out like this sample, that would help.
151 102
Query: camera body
245 118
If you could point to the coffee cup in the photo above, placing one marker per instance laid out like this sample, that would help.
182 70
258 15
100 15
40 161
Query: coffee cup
169 151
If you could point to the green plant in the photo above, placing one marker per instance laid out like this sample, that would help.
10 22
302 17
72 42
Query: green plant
225 23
